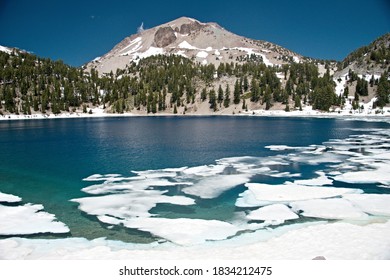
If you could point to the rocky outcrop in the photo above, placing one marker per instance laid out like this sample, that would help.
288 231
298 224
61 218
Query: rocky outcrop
188 28
164 37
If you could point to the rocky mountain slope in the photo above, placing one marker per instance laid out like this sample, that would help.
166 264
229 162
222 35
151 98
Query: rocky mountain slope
203 42
363 75
373 59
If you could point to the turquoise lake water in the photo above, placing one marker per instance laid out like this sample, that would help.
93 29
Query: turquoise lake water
45 161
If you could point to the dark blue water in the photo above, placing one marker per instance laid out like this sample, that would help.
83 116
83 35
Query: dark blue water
44 161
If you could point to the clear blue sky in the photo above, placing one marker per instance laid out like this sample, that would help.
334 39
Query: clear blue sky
77 31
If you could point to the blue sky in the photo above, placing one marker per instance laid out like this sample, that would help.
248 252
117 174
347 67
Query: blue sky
77 31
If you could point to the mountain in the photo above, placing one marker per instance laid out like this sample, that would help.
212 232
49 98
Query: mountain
204 43
371 59
364 73
189 67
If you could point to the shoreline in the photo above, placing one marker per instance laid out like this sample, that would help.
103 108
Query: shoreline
255 113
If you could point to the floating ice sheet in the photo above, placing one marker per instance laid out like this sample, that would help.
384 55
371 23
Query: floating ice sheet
333 208
273 213
264 194
28 219
374 204
137 184
128 205
212 187
379 174
4 197
100 177
281 147
322 180
184 231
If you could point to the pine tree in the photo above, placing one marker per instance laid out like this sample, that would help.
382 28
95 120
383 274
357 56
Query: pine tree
154 106
297 102
255 91
212 100
246 84
267 98
346 91
236 94
220 95
203 95
226 101
383 91
243 104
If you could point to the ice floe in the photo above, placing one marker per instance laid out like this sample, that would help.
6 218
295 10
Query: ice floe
212 187
100 177
275 213
379 174
28 219
333 208
128 205
374 204
10 198
281 147
265 194
322 180
185 231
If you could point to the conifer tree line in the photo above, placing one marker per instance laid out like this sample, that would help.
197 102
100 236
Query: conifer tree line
30 84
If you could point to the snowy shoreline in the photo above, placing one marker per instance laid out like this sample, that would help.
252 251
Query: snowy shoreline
357 243
99 113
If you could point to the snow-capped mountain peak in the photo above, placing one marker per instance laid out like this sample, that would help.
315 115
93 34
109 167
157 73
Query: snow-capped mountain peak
203 42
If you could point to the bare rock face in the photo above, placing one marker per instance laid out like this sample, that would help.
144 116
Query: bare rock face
187 28
164 37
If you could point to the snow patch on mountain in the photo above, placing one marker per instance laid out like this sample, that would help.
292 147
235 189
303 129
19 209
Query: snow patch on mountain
202 54
186 45
5 49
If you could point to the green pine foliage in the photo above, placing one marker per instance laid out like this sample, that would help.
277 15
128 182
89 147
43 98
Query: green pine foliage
30 84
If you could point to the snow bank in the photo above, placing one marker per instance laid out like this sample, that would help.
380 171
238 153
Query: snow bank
186 45
136 45
202 54
149 52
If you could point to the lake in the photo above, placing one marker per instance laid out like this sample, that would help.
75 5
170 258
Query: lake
145 179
